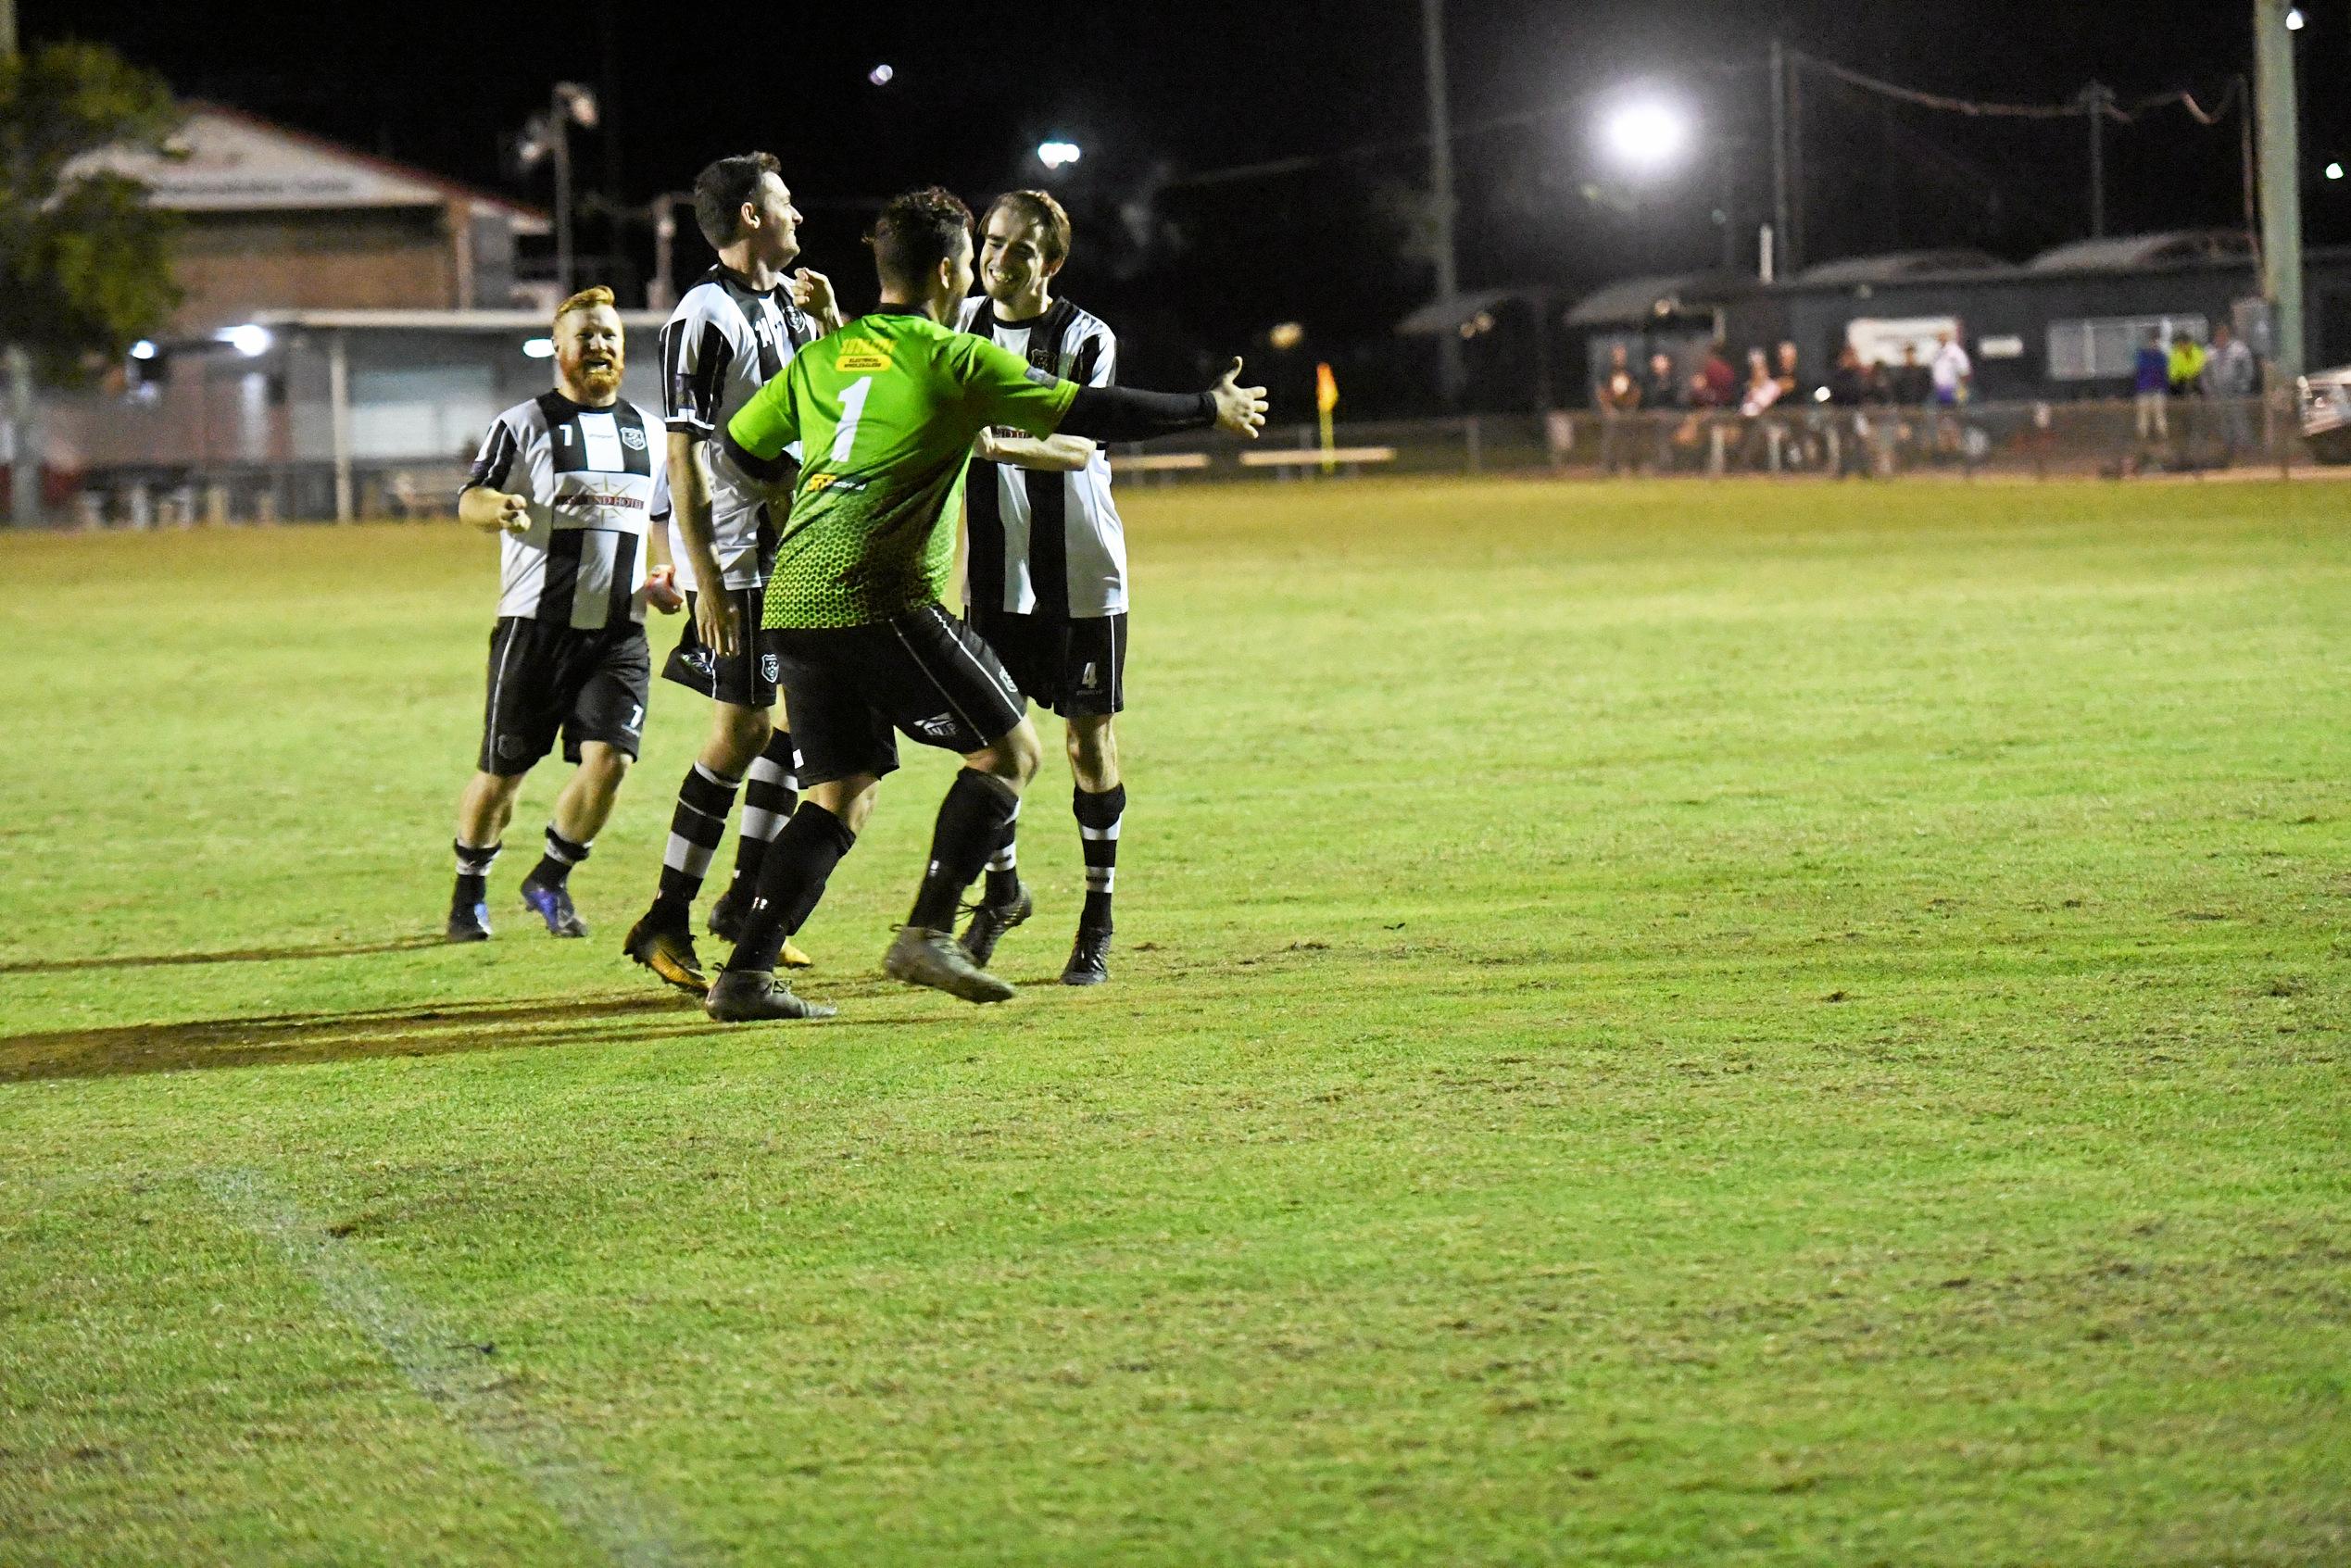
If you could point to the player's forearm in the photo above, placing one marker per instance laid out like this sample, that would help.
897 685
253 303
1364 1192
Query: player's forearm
481 507
1127 413
1049 454
690 504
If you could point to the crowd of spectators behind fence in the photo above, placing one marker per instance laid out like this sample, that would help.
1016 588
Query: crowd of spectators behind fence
1872 418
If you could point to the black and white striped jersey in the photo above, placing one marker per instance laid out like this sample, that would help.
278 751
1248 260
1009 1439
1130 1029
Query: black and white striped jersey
597 480
724 341
1047 544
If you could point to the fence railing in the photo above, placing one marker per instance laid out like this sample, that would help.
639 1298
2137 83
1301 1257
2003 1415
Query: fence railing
2117 439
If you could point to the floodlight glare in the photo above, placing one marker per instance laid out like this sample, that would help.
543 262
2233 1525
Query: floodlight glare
1647 135
2334 171
252 340
538 348
880 75
1057 154
143 349
2294 19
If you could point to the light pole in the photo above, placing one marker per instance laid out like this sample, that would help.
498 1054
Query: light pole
549 136
2274 24
662 292
24 453
1440 189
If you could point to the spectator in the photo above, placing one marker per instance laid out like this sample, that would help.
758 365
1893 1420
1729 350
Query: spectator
1879 423
2234 379
1619 409
1722 381
1911 383
1661 394
1851 426
2151 388
1756 400
2186 373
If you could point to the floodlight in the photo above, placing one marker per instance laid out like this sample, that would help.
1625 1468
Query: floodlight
2294 19
880 75
1057 154
252 339
1648 135
538 348
144 349
2334 171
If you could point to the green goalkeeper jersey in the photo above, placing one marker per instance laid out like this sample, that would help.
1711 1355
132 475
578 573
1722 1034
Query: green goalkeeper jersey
885 410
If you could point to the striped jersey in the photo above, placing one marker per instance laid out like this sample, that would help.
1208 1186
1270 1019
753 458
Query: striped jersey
597 481
724 341
1044 542
887 410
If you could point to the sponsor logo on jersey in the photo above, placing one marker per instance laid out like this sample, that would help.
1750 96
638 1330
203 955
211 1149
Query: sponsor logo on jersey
632 438
861 359
939 727
847 484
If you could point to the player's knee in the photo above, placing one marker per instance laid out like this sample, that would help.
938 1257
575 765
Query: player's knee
1013 757
739 734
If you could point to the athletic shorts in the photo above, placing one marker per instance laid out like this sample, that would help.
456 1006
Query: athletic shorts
850 688
1072 666
546 677
747 679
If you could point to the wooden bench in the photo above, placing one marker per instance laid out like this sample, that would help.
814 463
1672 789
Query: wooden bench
1286 457
1159 462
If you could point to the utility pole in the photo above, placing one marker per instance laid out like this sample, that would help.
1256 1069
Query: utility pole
2097 99
1781 231
2281 153
24 435
1441 183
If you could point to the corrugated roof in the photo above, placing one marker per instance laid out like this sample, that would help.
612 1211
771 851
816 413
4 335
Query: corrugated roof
1895 266
2176 247
1638 300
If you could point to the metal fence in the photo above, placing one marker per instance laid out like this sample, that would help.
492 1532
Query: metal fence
2117 439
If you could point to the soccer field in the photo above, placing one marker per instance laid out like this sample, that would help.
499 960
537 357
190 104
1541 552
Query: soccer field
1652 1024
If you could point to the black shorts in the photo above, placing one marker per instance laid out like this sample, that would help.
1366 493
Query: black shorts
925 672
747 679
545 676
1070 665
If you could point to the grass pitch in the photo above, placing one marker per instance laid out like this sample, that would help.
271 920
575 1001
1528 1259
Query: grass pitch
1652 1024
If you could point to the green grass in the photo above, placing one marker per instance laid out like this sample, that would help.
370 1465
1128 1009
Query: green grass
1651 1025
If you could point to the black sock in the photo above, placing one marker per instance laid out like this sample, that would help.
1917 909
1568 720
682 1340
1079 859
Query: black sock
557 863
1098 818
791 880
473 873
971 825
1003 866
704 802
767 806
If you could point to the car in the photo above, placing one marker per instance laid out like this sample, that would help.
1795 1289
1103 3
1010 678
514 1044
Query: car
2325 402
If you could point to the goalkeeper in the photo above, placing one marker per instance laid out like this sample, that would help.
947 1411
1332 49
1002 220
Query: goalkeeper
885 410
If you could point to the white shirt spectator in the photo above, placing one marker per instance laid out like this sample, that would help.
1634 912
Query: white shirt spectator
1951 368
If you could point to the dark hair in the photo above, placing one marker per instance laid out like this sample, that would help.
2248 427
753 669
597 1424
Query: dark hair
914 234
721 190
1040 208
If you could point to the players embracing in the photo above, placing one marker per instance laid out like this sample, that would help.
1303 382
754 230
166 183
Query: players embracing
1045 581
732 331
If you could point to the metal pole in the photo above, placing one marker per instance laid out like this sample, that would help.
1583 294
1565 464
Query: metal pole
1730 206
1793 245
339 421
2094 98
1779 142
560 124
1440 181
2274 108
24 462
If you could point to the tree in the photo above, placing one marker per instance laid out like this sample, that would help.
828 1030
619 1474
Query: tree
84 261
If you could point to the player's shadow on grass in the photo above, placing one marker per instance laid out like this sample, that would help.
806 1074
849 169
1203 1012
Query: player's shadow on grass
286 1039
241 955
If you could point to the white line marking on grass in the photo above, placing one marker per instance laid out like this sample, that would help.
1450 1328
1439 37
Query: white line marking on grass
445 1366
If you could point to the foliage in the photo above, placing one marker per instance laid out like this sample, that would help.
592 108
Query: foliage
86 260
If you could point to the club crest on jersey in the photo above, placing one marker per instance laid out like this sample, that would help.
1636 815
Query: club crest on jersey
770 670
632 438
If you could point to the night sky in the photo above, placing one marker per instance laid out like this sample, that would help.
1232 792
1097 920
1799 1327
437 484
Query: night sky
1160 96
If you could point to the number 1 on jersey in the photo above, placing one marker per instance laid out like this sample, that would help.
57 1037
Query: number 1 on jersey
852 409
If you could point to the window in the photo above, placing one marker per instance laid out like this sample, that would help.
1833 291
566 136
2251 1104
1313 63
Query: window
2102 347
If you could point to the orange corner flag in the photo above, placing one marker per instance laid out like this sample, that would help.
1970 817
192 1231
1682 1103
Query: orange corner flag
1326 389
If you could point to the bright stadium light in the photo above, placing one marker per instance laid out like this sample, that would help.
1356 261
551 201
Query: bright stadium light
144 349
1647 135
880 75
1057 154
252 340
2294 19
2334 171
538 348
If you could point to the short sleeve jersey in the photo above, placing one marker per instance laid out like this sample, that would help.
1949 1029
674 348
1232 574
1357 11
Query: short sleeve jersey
886 411
724 341
597 482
